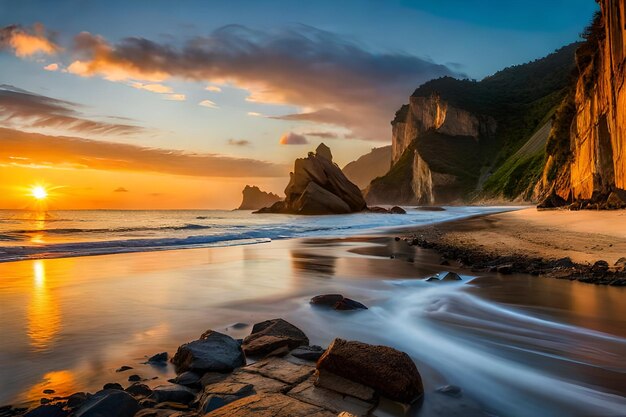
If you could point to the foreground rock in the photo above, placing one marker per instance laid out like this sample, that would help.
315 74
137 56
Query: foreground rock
213 352
388 371
270 405
271 335
337 302
254 198
109 403
318 186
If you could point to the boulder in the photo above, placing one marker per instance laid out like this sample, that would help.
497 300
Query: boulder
134 378
616 200
47 411
308 353
388 371
600 266
213 352
254 198
173 393
553 200
620 264
451 276
139 390
318 186
188 379
76 400
337 302
397 210
113 385
158 359
270 335
109 402
270 405
123 368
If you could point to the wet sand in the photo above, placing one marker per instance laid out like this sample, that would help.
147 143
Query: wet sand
517 345
585 236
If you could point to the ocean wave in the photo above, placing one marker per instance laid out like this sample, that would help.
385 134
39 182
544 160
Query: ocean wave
71 231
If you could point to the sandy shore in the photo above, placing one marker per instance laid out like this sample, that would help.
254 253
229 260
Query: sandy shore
583 236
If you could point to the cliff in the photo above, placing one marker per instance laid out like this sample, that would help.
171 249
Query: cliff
254 198
457 140
369 166
586 161
318 186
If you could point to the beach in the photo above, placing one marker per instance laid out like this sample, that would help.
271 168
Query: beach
515 344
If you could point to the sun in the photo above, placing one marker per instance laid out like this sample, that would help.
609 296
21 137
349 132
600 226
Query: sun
39 192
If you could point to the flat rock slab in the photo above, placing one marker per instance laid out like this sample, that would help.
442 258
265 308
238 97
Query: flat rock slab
270 405
229 388
329 400
328 380
260 383
281 369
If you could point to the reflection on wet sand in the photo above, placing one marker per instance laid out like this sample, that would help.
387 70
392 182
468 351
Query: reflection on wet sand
313 263
44 316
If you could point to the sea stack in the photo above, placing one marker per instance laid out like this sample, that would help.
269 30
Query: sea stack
318 186
254 198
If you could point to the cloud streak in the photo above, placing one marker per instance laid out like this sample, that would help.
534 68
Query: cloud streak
19 148
36 111
341 82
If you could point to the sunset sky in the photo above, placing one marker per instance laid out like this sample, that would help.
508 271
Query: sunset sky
161 104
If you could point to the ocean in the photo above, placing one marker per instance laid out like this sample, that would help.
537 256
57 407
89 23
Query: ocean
32 235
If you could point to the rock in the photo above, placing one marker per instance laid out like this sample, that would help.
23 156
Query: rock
308 353
329 400
188 379
159 358
220 394
173 393
48 391
388 371
620 264
552 201
47 411
349 304
318 186
113 385
147 403
433 278
260 383
139 390
616 200
76 400
270 335
281 370
254 198
451 390
336 383
269 405
430 208
213 352
337 301
504 269
109 402
123 368
377 209
451 276
134 378
213 402
565 263
211 378
155 412
397 210
600 266
170 405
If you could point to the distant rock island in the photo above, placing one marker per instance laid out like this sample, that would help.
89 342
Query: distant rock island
254 198
318 186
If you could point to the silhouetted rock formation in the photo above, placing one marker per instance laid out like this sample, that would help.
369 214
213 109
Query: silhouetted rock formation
318 186
254 198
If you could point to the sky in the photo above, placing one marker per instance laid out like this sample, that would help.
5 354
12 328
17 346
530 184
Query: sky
161 104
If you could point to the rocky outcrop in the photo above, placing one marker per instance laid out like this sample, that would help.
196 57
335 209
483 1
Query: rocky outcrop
271 335
369 166
590 163
318 186
213 352
254 198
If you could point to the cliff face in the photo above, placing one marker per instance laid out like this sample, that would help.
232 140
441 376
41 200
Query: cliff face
432 113
428 134
594 166
369 166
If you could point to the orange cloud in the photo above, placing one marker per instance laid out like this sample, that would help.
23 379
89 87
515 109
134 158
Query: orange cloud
291 138
27 42
337 81
154 88
25 149
51 67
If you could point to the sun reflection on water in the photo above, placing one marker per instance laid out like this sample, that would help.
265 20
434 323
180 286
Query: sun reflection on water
44 317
